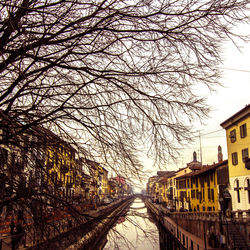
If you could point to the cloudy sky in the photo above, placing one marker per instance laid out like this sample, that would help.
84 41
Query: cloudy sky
229 99
226 101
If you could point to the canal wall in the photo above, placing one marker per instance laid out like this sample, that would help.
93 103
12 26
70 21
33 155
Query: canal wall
90 231
201 230
174 235
97 235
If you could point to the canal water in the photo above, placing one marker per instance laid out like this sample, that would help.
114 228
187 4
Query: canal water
136 230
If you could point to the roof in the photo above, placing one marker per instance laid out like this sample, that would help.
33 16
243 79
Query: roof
245 112
94 164
163 179
204 169
39 131
165 173
180 169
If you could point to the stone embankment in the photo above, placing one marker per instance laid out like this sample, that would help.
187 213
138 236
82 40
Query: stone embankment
96 225
202 230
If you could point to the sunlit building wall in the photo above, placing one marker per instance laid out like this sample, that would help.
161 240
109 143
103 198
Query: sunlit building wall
238 144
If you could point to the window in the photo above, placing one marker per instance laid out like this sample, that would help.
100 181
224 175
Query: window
193 194
234 158
243 130
248 190
237 189
208 181
208 193
212 194
192 245
244 154
233 135
196 182
211 177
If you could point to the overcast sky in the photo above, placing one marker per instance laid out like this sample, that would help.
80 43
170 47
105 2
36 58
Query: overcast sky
229 99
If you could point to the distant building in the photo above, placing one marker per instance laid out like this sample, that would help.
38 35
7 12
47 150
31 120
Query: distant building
192 166
238 143
100 179
200 190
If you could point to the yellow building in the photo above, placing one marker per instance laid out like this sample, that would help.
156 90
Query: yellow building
192 166
151 187
83 180
157 186
201 190
60 165
238 143
104 183
100 179
164 188
171 191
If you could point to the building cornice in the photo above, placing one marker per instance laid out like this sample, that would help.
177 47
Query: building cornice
237 117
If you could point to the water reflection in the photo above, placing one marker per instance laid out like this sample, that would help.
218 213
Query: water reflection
135 231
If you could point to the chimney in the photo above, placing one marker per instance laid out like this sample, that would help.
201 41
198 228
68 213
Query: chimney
220 155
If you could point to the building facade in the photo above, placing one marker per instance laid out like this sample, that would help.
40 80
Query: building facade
238 145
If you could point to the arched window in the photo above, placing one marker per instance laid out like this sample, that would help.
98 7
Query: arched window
237 188
247 189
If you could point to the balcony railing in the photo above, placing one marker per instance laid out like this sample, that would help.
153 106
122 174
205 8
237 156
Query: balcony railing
239 216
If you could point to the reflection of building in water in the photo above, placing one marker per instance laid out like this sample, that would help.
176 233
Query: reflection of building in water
136 231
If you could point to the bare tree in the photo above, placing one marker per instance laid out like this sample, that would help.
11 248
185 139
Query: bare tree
113 77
